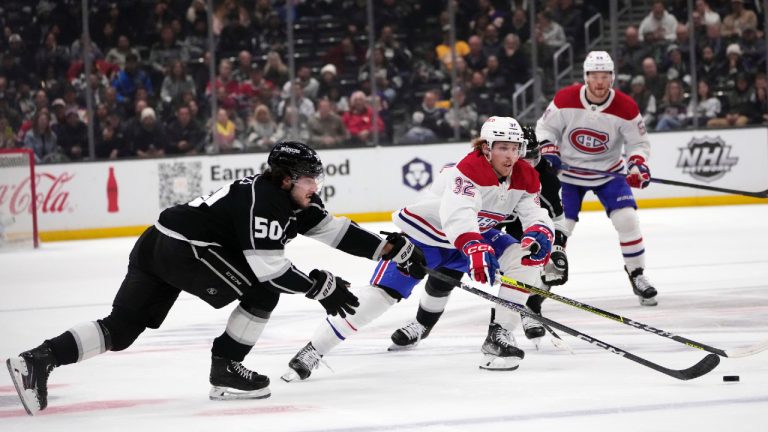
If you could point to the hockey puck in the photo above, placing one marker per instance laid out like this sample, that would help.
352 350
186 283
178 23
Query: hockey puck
731 378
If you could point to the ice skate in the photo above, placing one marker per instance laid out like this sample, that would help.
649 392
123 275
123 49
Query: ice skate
409 336
29 372
231 380
642 288
302 364
500 351
533 329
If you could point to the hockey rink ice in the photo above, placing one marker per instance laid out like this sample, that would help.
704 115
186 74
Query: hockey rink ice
710 265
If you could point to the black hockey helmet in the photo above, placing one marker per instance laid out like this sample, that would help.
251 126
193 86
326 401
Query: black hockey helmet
532 150
297 158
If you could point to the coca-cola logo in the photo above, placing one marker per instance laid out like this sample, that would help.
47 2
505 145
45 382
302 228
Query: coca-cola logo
589 141
50 191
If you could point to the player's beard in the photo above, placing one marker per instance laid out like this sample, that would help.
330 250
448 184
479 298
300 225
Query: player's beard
598 95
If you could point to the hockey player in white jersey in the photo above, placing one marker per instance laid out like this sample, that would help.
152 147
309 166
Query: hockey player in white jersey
593 126
454 227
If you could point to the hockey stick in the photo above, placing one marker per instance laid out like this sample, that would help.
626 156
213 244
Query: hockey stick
704 366
739 352
762 194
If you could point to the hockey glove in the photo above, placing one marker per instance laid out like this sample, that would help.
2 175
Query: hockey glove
639 175
483 264
556 270
408 257
551 154
333 293
537 240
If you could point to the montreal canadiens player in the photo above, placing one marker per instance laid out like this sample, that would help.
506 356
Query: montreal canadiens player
593 126
454 227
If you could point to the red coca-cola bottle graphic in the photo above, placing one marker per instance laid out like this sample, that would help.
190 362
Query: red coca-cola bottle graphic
112 192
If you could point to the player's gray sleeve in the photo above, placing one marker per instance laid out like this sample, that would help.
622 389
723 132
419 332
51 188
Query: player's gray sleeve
346 236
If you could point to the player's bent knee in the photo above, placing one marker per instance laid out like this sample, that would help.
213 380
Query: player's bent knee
120 329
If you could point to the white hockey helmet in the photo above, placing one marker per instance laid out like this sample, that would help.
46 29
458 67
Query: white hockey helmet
503 129
598 61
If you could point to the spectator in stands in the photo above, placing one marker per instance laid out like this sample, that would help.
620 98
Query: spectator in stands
754 50
395 53
196 40
475 58
654 81
346 56
166 51
293 127
443 50
675 66
659 25
734 63
118 54
416 133
225 85
256 90
110 144
738 20
710 68
434 115
514 62
359 119
496 77
40 139
673 112
25 101
308 83
708 16
714 40
387 75
305 106
328 80
682 40
549 35
739 106
326 130
261 128
225 134
572 20
176 82
7 137
632 52
23 55
275 70
146 137
235 36
646 101
185 136
52 55
481 96
77 49
73 136
463 114
160 17
130 79
244 67
491 40
708 106
759 100
520 25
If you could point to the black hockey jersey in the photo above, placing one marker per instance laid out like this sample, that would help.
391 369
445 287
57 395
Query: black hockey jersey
256 217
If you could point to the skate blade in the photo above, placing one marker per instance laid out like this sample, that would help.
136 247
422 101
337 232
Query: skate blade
17 367
290 376
396 347
496 363
536 342
226 393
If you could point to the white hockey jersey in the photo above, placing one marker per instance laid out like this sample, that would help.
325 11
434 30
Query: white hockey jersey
592 136
467 199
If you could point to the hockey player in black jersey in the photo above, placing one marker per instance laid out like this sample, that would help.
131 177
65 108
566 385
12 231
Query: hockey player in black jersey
555 272
222 247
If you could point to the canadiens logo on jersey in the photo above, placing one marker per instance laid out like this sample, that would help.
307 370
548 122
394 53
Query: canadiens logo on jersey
706 159
589 141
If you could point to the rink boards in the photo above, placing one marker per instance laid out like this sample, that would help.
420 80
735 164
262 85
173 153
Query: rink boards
366 184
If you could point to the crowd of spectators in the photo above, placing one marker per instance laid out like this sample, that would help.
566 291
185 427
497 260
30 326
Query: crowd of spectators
152 92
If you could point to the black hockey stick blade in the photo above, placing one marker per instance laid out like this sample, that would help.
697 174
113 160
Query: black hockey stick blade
739 352
762 194
704 366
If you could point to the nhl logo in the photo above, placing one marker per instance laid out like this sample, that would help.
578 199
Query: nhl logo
706 159
417 174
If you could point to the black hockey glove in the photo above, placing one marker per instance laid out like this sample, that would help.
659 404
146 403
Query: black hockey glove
333 293
556 270
408 257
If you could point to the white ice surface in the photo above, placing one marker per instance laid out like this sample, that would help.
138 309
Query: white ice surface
710 266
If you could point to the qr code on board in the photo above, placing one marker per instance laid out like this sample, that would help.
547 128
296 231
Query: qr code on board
179 182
